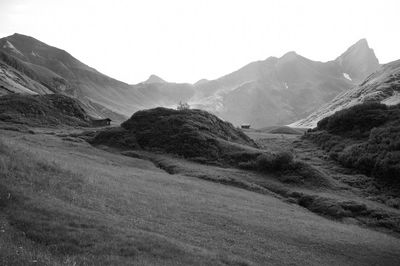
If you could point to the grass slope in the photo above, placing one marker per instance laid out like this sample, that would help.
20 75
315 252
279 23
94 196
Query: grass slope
42 110
68 203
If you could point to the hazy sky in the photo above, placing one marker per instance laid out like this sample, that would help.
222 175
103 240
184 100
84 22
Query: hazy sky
186 40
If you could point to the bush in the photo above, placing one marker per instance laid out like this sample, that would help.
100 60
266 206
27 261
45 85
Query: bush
274 161
365 137
183 106
356 121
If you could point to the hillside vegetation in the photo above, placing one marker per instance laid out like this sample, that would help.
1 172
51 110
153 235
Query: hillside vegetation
365 137
42 110
189 133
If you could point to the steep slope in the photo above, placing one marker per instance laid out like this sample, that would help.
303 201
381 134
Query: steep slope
382 86
280 90
14 81
358 61
58 72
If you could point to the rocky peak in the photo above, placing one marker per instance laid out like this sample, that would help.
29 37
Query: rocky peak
154 79
358 61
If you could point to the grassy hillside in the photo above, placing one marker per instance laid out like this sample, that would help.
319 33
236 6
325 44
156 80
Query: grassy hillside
67 203
42 110
365 137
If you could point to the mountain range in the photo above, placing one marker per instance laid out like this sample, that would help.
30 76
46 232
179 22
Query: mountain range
269 92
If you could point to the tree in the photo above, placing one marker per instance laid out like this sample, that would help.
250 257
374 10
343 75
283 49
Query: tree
183 106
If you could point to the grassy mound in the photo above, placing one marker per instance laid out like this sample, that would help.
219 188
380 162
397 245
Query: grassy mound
286 130
365 137
42 110
188 133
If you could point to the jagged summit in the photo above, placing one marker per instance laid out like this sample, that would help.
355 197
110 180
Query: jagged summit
359 60
155 79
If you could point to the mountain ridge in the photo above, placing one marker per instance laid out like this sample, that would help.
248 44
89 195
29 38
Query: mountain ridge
281 90
261 93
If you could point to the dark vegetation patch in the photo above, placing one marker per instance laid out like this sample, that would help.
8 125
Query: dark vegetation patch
288 168
202 137
184 132
365 137
42 110
342 210
192 134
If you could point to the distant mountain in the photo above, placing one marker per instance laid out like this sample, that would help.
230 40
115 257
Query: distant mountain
274 91
358 61
382 86
154 79
282 90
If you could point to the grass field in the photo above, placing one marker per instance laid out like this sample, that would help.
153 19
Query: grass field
64 202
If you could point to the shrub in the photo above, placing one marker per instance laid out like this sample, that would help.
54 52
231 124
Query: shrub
355 121
183 106
274 161
365 137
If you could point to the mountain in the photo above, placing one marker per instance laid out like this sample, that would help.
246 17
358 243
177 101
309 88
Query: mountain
30 66
154 79
358 61
274 91
56 71
285 89
382 86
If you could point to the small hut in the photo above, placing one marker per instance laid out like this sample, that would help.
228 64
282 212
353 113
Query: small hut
245 126
101 122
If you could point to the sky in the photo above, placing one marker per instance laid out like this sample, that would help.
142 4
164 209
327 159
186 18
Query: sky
187 40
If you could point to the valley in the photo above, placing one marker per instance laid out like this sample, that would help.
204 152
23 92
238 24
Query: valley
83 184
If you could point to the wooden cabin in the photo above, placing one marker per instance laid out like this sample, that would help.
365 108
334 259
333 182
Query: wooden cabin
245 126
101 122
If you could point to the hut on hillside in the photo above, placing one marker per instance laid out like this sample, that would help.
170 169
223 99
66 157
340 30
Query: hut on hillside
245 126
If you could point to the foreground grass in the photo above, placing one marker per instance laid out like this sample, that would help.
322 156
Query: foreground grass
72 204
49 205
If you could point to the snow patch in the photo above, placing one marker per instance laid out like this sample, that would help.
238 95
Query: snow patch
347 76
